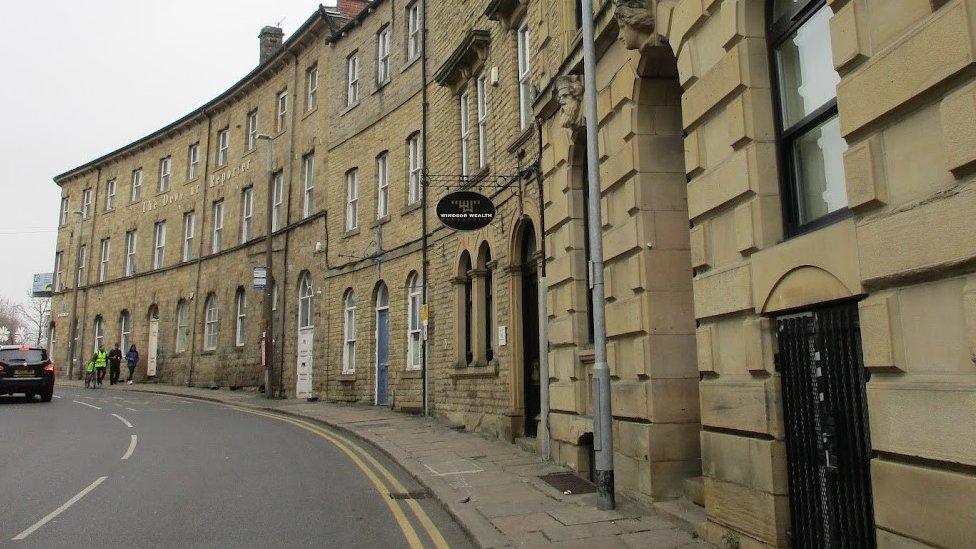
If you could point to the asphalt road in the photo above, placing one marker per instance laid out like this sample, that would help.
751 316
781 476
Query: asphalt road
197 474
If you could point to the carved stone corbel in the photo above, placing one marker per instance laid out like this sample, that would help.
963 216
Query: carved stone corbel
636 19
569 94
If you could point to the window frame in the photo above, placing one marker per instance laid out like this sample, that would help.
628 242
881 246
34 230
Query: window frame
217 235
82 261
125 330
192 161
165 173
251 139
182 325
413 44
311 87
110 187
777 33
352 199
189 230
136 189
524 67
105 249
308 181
281 110
86 202
159 244
464 113
349 333
211 325
223 147
383 56
277 199
98 331
352 79
305 305
247 214
415 340
382 185
131 240
414 169
482 107
240 329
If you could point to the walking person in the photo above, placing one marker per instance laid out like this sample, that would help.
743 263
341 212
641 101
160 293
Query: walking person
114 365
101 362
131 358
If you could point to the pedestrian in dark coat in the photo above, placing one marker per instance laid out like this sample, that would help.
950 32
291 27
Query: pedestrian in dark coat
114 365
131 358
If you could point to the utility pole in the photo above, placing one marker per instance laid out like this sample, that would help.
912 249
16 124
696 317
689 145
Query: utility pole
602 420
73 327
268 321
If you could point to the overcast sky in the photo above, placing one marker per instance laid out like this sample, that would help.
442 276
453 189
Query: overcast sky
81 79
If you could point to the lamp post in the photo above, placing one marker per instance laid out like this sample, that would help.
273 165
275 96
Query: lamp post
602 420
73 328
268 323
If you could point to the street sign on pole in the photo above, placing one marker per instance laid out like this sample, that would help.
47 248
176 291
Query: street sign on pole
260 278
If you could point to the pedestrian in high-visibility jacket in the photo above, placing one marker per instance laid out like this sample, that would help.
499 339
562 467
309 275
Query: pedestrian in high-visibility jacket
100 358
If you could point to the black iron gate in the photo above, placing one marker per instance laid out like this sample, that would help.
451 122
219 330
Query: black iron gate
827 442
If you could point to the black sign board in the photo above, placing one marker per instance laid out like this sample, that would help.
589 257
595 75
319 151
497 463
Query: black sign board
465 210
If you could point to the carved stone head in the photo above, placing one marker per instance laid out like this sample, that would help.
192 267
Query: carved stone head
636 21
569 94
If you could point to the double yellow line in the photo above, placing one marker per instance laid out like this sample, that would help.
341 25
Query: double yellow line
373 470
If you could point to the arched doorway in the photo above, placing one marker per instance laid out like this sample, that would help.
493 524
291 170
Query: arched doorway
306 335
528 312
152 347
382 345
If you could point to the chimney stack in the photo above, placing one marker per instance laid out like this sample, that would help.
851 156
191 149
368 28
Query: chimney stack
351 8
270 40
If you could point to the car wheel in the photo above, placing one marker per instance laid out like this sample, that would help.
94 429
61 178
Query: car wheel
47 395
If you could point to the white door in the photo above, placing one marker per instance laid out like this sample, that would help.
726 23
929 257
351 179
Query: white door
303 376
153 347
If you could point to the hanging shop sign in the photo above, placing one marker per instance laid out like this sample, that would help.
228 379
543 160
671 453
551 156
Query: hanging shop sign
465 210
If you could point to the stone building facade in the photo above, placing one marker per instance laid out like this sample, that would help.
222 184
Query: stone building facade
786 188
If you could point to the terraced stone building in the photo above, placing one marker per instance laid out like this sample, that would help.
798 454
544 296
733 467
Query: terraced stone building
787 189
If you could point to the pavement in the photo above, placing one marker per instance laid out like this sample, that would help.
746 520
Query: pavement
491 488
127 469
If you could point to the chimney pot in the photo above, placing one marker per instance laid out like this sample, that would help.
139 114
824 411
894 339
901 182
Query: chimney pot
269 40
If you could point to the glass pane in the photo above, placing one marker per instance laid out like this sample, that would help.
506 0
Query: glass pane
807 79
818 157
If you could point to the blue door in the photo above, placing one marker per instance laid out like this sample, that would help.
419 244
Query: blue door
382 355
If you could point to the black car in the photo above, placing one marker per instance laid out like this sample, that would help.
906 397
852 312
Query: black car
28 370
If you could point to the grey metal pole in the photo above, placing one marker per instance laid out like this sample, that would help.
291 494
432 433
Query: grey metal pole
543 366
602 421
73 325
267 320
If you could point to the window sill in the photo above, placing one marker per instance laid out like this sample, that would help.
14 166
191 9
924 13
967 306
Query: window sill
309 112
520 139
192 180
380 86
208 352
380 221
411 207
348 108
351 232
219 167
475 371
819 223
161 193
410 63
413 373
347 377
248 152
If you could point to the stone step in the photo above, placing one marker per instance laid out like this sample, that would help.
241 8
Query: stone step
529 444
685 513
694 489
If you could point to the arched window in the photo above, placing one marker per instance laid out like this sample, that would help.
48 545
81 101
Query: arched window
182 325
305 302
211 325
99 333
240 325
382 297
414 344
349 334
488 296
125 330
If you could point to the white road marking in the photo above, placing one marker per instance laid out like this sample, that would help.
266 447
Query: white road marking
59 510
56 396
123 420
86 404
131 409
132 447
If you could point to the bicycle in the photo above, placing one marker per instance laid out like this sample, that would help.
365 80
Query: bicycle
90 378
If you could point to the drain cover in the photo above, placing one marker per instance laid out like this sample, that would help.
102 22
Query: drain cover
408 495
569 482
